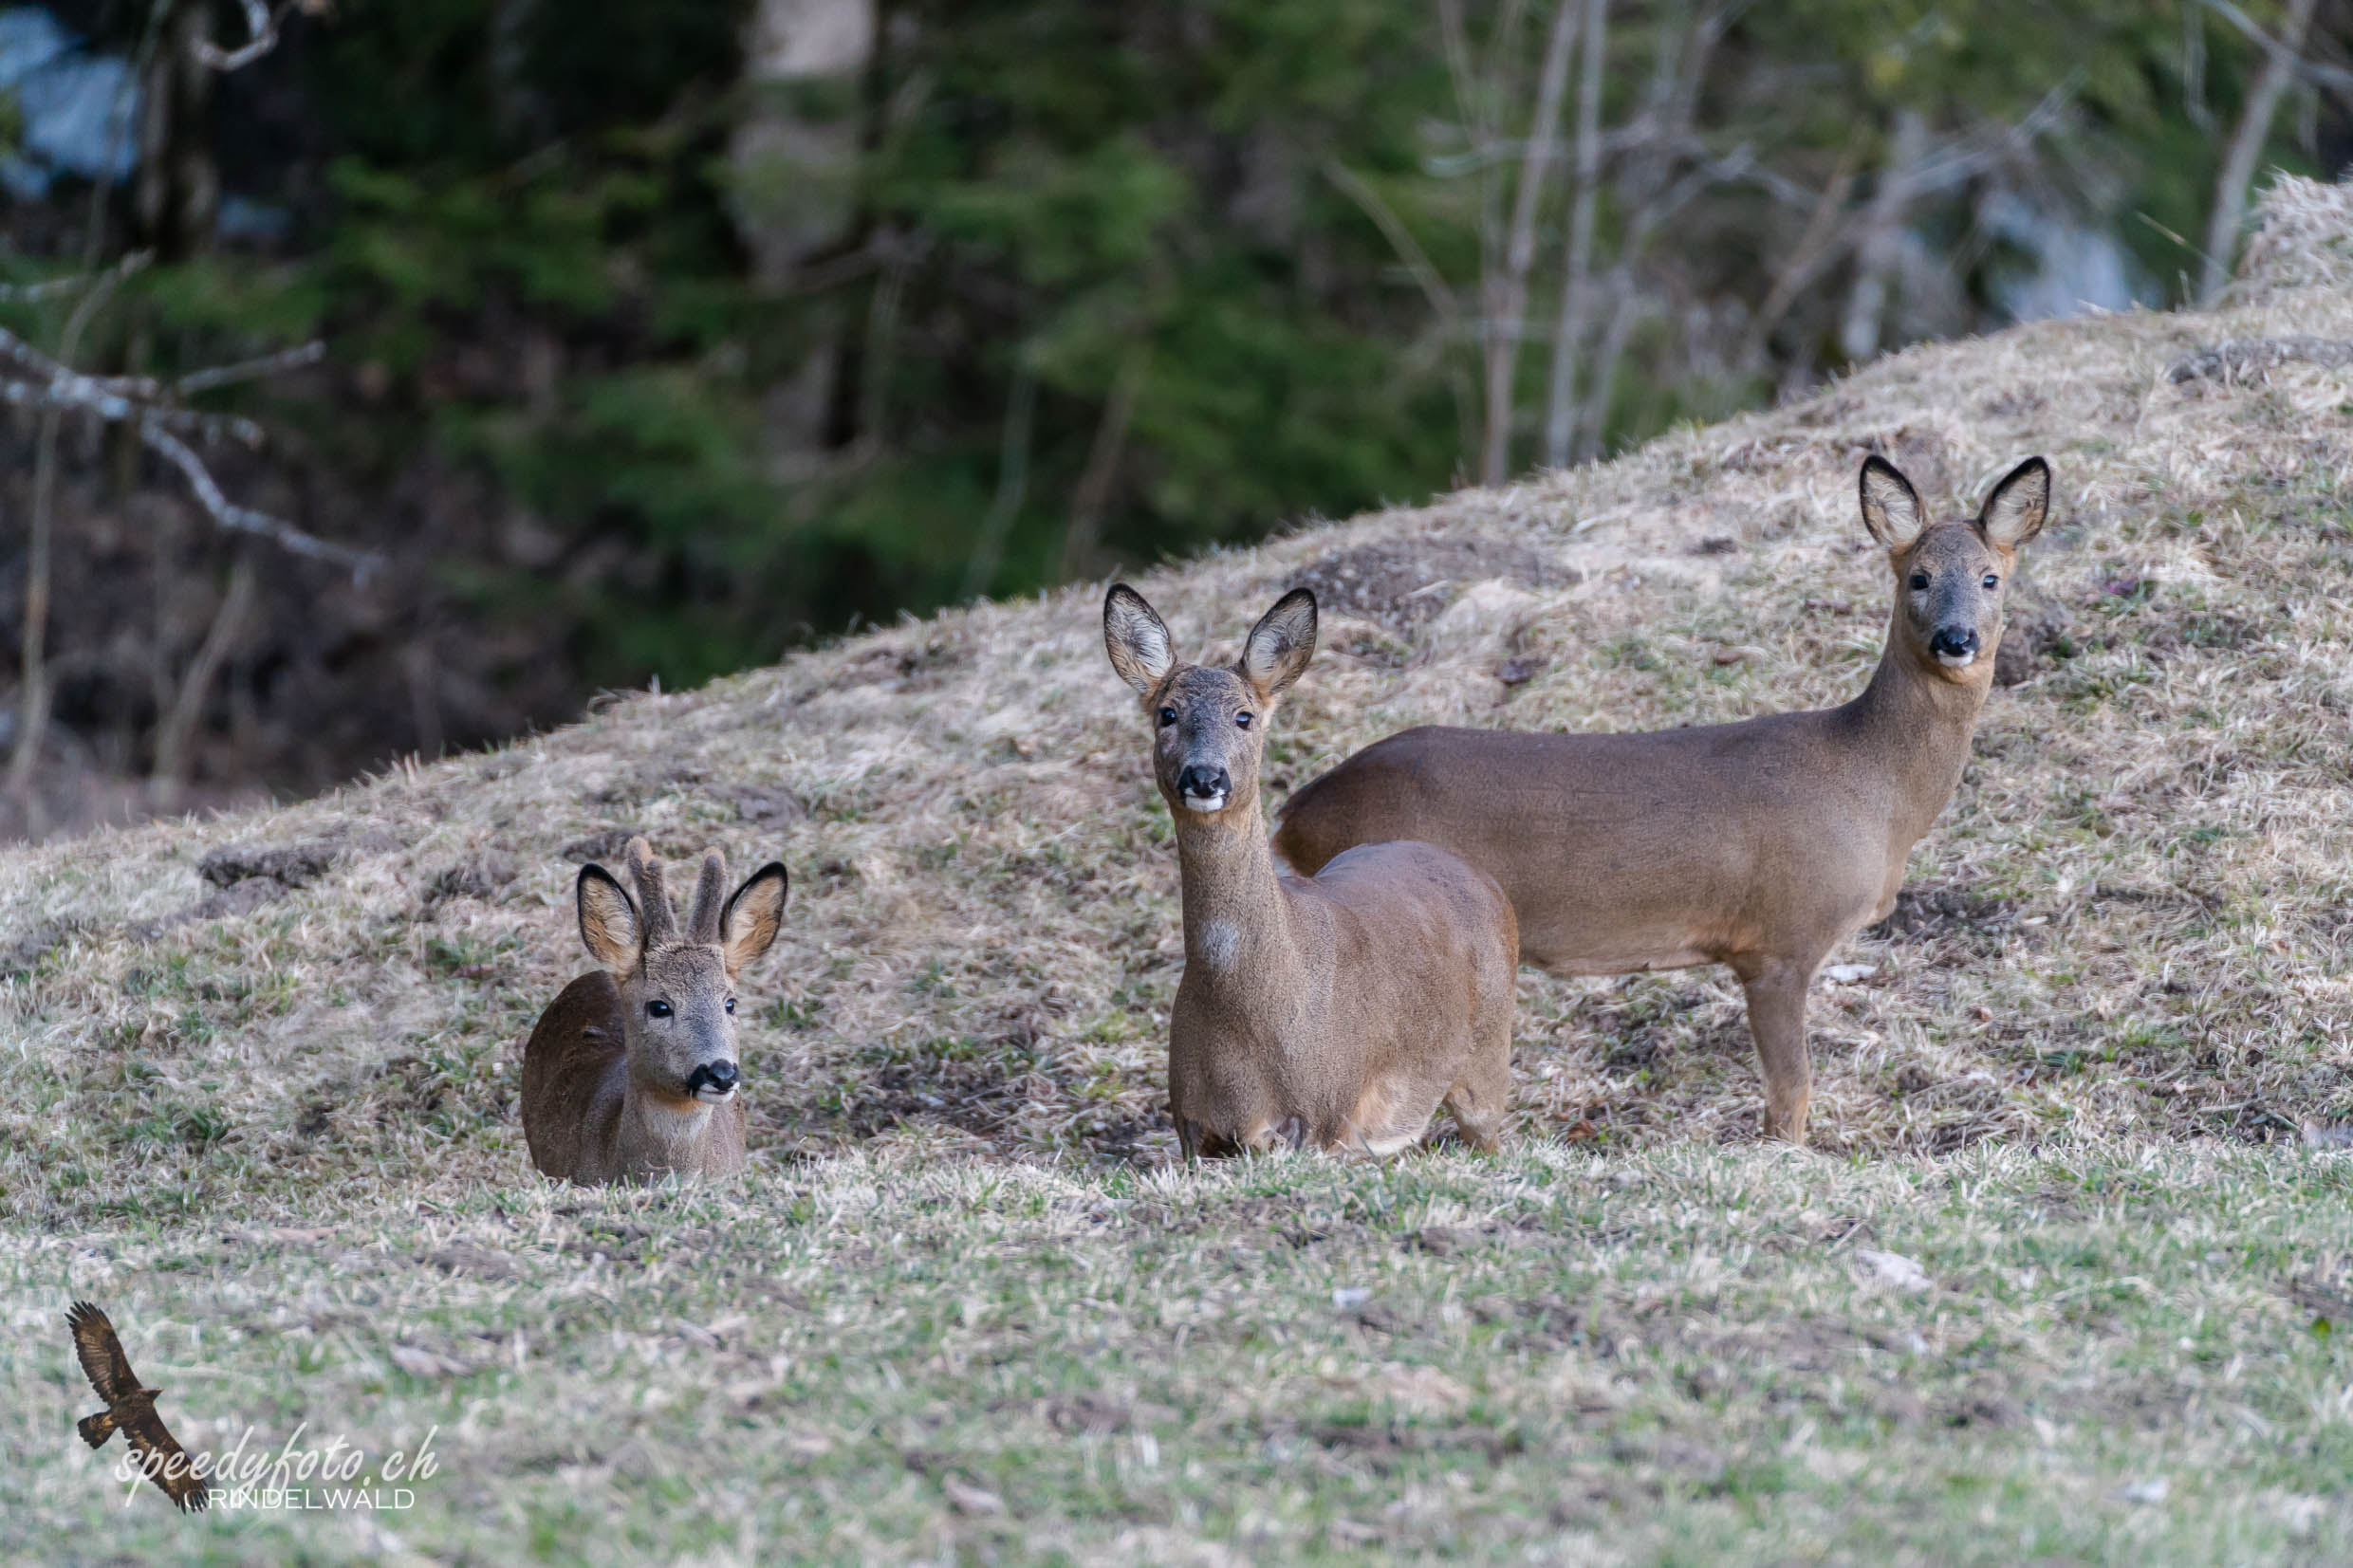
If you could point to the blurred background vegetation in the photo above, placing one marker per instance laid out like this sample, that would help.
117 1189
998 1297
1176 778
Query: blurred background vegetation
661 334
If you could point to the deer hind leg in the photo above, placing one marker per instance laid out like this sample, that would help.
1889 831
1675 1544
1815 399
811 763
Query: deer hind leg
1776 989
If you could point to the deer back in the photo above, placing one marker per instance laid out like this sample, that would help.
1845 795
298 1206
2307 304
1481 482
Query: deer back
575 1068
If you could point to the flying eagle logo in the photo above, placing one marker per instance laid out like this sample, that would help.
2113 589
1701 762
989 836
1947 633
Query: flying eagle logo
130 1408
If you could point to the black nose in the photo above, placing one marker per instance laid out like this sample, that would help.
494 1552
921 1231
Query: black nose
1954 640
719 1076
1203 781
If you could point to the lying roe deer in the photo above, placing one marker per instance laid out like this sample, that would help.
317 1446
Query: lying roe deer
1338 1010
631 1074
1760 845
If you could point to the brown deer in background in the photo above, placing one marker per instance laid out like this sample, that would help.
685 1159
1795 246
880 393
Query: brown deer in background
1760 845
1338 1010
631 1074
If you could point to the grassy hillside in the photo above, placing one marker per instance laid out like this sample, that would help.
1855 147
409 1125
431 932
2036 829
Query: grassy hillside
259 1084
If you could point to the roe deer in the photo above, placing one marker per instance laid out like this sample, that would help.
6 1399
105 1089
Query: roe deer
630 1074
1338 1010
1760 845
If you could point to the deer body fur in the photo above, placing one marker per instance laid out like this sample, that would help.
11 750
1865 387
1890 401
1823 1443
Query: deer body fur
1760 845
1339 1010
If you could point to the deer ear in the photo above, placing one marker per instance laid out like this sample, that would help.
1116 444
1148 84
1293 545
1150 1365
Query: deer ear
1137 640
1282 643
2016 509
608 921
1891 508
754 911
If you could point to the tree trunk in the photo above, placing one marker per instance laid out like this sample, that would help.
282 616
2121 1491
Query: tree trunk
1568 328
1508 299
175 192
1093 495
2238 164
1882 239
171 769
795 162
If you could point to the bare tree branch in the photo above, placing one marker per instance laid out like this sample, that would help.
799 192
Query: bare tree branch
13 293
260 24
249 370
1409 251
244 519
53 388
2290 56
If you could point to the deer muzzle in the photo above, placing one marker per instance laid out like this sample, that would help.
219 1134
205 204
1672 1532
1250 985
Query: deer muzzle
1204 788
1955 647
714 1083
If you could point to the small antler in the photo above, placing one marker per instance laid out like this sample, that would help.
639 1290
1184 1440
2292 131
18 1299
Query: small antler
661 922
710 899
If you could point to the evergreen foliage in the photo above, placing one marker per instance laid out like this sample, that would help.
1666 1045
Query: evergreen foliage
1112 283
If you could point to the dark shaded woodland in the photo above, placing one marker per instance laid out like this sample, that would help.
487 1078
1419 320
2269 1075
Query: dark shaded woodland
568 348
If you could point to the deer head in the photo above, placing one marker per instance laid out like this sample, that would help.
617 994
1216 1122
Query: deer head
1950 576
678 987
1209 724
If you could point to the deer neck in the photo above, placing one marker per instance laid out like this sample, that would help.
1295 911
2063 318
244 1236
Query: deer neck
1238 932
659 1133
1914 722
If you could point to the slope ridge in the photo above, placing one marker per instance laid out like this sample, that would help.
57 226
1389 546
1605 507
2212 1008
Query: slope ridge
2128 922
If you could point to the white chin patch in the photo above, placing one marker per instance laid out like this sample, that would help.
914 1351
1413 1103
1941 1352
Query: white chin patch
1956 661
714 1096
1203 802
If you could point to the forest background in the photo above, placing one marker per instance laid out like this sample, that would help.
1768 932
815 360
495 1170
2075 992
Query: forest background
389 376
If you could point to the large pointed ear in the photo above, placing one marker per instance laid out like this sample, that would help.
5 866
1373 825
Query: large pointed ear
1282 643
608 921
2015 511
1891 508
748 924
1140 648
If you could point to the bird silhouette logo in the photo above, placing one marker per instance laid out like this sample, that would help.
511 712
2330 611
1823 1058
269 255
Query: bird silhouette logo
130 1408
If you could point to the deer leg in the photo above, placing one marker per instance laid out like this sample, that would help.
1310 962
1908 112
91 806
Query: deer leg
1483 1092
1776 989
1478 1110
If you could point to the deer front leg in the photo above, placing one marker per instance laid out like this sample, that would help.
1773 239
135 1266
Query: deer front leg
1776 989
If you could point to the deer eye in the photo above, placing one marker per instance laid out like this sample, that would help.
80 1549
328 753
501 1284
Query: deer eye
1168 716
1242 719
1919 582
658 1009
730 1003
1992 582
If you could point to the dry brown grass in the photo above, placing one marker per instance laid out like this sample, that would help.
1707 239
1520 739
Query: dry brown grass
2130 922
260 1072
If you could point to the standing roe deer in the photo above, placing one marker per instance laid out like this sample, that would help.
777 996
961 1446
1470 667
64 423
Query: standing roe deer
1760 845
630 1074
1338 1009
